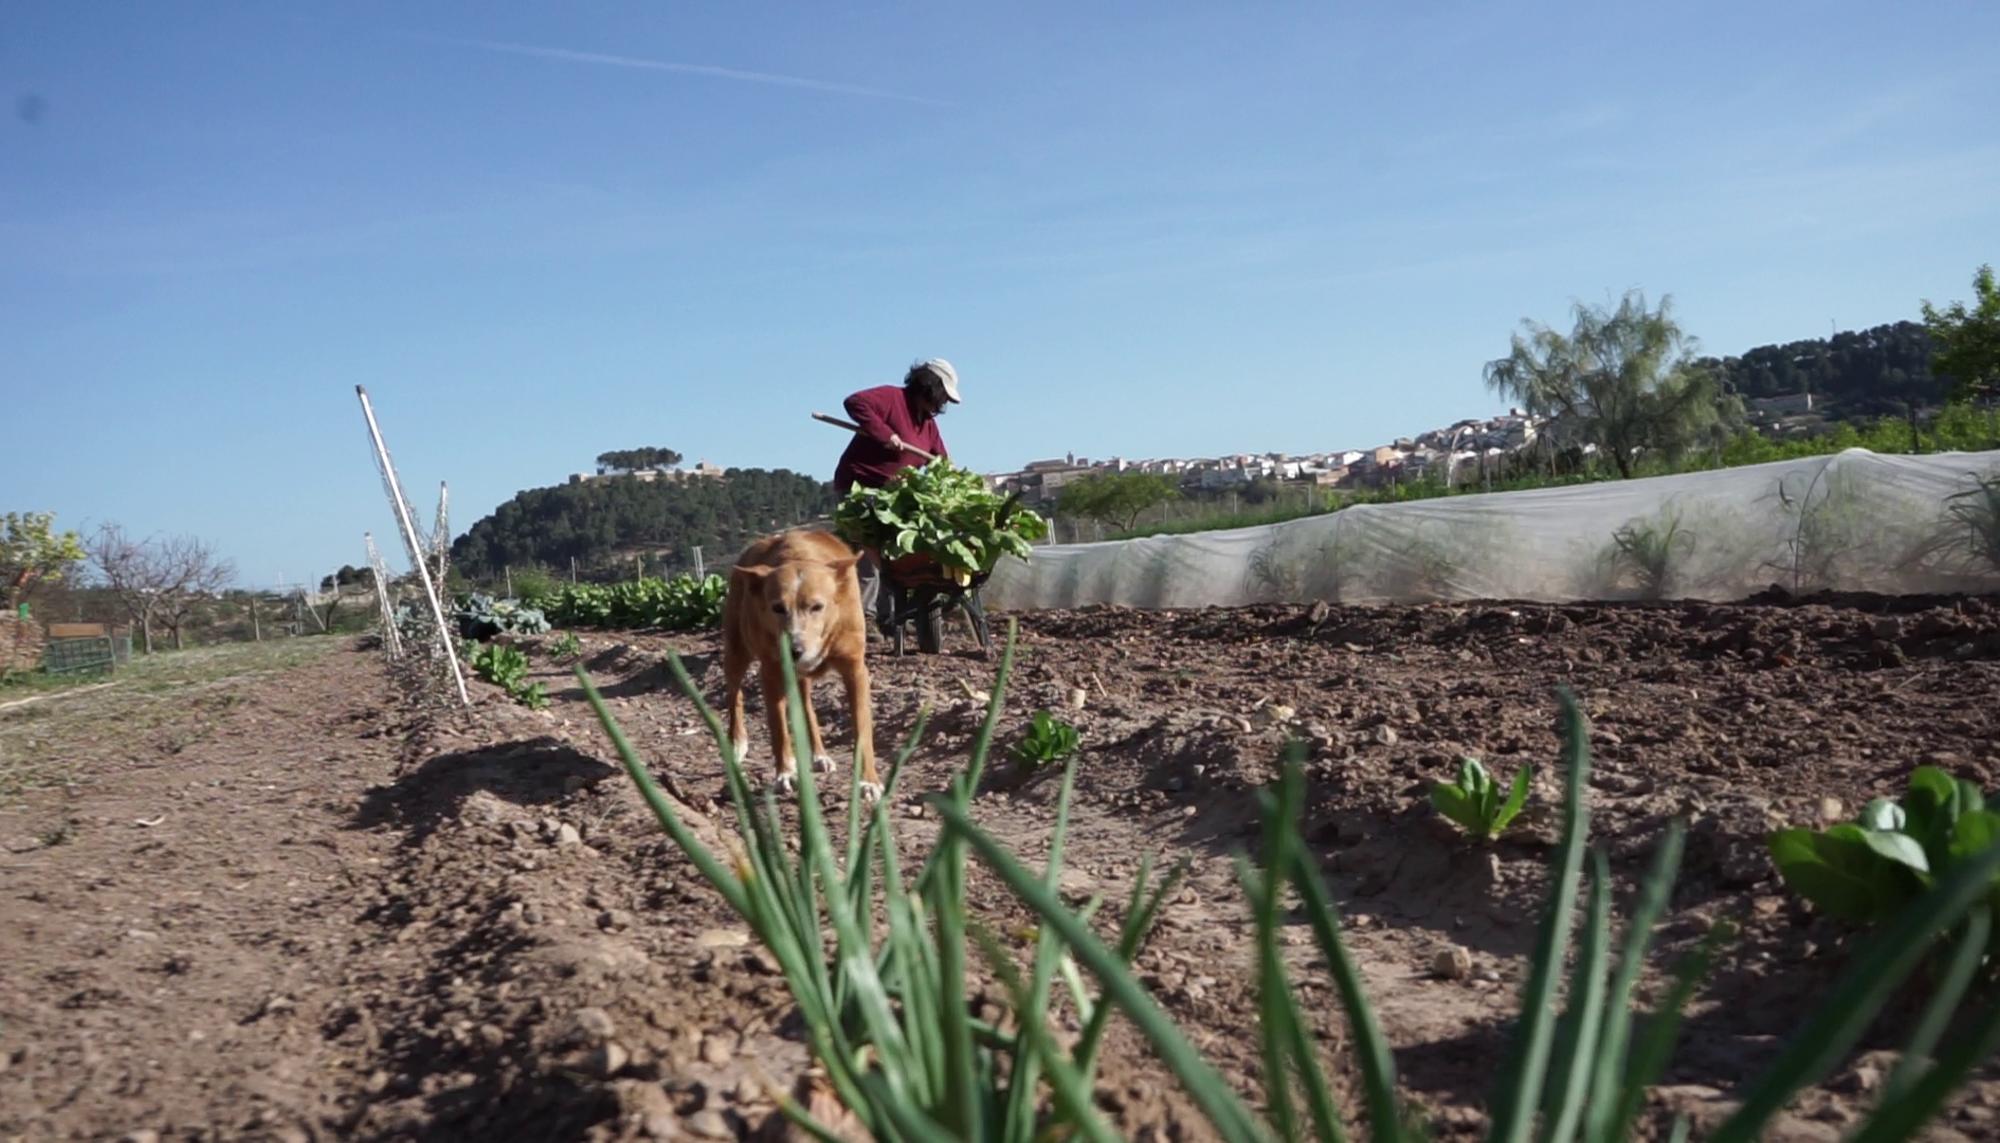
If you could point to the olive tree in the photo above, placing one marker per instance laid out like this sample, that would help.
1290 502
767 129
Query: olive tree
1116 498
1623 379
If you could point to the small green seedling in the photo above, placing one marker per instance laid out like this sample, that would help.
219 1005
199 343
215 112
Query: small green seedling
1049 740
1474 800
566 648
1871 869
507 668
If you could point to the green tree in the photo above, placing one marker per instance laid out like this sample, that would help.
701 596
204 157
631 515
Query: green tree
1966 343
1116 498
32 553
1622 379
348 576
633 459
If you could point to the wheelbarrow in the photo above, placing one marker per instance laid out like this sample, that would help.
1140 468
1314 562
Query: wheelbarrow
920 592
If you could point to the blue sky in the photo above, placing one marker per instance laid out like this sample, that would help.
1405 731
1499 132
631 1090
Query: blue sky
537 232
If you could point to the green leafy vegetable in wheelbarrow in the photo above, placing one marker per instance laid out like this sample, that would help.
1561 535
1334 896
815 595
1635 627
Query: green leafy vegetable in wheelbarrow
941 511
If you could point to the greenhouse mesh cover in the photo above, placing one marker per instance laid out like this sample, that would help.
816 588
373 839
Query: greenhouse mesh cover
1852 521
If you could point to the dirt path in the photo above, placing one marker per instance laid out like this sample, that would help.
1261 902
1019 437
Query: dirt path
342 926
174 921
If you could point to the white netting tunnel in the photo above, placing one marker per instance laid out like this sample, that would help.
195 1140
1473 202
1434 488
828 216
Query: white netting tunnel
1852 521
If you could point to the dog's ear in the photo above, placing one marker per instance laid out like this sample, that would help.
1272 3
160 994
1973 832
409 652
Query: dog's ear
755 573
842 563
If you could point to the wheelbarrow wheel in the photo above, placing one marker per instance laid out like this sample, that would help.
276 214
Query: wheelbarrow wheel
930 628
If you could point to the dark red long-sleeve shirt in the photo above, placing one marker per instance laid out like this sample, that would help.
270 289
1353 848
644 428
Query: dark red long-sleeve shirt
869 460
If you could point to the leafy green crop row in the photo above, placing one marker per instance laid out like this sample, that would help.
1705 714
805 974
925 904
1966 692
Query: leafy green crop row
682 603
941 511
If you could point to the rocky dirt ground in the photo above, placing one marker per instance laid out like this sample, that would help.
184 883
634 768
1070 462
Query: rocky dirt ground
279 906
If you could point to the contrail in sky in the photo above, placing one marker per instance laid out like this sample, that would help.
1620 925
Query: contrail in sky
568 56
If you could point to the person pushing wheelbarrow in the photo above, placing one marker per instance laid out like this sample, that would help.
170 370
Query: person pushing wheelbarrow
895 427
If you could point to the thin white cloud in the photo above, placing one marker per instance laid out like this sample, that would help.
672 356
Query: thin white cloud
711 71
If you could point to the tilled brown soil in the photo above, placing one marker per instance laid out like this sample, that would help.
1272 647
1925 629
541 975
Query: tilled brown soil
298 914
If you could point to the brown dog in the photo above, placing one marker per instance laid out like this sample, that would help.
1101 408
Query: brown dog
800 583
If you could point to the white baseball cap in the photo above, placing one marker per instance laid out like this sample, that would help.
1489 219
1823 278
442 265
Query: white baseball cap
946 374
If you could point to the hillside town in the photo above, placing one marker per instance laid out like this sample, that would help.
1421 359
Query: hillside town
1447 453
1464 450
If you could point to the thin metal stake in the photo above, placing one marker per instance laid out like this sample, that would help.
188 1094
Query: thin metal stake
416 548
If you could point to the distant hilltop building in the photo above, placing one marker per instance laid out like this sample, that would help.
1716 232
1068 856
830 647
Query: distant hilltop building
701 471
1792 405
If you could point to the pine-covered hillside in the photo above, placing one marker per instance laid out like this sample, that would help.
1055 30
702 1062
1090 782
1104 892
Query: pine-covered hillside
603 522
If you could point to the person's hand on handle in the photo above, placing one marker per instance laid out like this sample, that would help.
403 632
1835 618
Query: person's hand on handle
896 442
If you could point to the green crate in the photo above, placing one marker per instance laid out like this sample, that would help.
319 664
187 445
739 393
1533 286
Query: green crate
79 656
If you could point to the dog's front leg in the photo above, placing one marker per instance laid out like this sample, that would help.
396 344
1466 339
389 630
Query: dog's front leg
822 761
775 707
734 667
854 674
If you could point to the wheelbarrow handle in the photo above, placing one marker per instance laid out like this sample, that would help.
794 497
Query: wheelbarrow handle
851 427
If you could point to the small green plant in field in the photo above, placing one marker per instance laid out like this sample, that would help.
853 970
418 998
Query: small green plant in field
1475 803
888 1020
1870 870
1977 509
1272 576
1830 523
531 582
566 648
1649 551
507 668
1965 540
1048 740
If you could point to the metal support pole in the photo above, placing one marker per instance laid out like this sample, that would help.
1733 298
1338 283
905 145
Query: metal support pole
378 571
441 536
416 548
